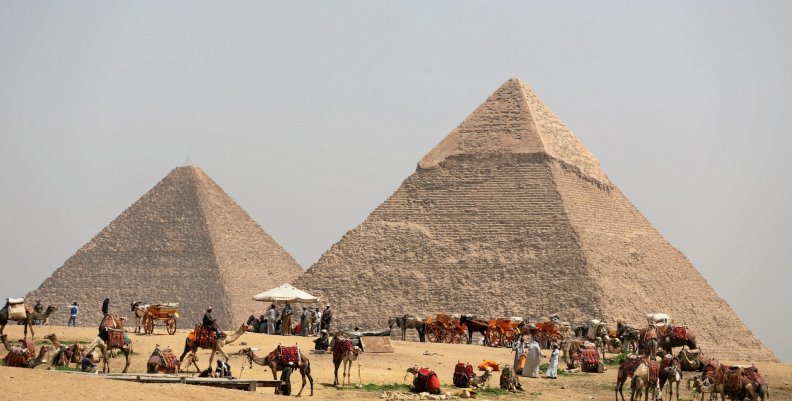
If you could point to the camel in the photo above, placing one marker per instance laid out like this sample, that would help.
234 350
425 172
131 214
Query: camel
735 385
671 372
647 342
346 353
275 363
644 380
158 363
140 308
216 345
629 368
474 326
65 355
481 381
18 356
106 350
30 316
667 340
190 360
409 322
570 346
705 386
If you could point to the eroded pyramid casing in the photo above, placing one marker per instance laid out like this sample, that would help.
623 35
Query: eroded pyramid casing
510 215
184 241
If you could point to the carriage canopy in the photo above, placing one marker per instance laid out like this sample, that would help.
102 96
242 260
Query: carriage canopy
286 294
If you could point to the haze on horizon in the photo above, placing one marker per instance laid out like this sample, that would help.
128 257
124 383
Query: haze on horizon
310 115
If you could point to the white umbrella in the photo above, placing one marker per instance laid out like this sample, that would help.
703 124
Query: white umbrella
286 294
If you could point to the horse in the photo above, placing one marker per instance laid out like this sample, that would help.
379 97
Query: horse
140 308
474 325
408 322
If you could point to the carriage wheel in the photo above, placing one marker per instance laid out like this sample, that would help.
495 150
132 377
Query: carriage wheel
148 325
434 334
632 346
508 338
171 326
493 337
457 338
541 338
614 346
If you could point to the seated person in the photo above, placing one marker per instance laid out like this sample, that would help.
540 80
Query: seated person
322 342
88 364
223 369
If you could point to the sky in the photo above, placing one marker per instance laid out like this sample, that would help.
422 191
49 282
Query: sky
309 115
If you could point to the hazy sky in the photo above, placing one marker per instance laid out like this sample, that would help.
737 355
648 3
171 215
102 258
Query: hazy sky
309 115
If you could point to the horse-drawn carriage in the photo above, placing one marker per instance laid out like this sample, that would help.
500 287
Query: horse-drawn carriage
444 328
503 332
549 332
161 315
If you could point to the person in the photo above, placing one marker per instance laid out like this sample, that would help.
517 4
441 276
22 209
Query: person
327 318
88 364
74 309
210 323
272 316
262 329
223 369
304 321
286 315
552 366
323 342
519 350
106 305
38 309
531 368
285 387
317 320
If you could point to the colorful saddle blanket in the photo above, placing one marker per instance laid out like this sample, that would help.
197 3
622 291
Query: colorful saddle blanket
679 332
203 337
342 347
631 365
654 372
713 371
753 375
732 379
292 354
20 355
589 356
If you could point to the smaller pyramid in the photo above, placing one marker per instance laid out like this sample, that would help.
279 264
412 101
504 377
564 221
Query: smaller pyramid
184 241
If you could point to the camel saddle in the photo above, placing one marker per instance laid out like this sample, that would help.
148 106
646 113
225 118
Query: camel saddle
732 379
342 347
752 374
648 334
589 357
631 364
164 358
17 309
713 371
20 355
679 332
292 354
654 372
115 338
111 322
203 336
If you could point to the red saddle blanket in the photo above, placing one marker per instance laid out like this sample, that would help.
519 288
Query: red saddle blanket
20 355
654 372
115 338
589 356
292 354
753 375
203 336
679 332
631 365
713 371
732 379
342 347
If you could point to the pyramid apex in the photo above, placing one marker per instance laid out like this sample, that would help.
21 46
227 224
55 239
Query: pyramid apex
514 120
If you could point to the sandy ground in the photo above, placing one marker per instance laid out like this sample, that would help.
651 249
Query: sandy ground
42 384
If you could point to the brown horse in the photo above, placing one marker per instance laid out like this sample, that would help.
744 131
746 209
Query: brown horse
474 326
409 322
274 361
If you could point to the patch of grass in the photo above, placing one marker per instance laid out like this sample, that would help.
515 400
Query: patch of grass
609 387
617 360
386 387
493 391
68 368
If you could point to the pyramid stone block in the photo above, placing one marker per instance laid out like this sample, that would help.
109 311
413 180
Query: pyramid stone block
510 215
184 241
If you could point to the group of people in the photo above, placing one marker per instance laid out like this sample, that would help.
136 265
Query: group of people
312 321
528 356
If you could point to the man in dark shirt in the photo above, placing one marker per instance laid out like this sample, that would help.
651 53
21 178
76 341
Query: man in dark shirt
210 323
106 305
327 318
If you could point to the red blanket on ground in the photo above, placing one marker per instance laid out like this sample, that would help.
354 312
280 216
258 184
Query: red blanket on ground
292 354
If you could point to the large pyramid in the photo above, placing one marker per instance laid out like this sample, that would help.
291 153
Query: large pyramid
184 241
510 215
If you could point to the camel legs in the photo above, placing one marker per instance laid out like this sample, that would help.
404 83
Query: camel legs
619 387
347 372
335 373
305 370
127 353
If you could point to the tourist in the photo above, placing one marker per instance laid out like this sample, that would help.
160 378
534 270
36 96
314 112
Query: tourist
323 342
327 317
272 316
286 315
262 329
74 310
304 324
88 364
531 368
552 366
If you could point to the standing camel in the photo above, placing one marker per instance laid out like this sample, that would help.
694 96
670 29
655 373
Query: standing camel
30 316
669 339
346 353
274 361
105 347
647 343
190 345
670 372
627 370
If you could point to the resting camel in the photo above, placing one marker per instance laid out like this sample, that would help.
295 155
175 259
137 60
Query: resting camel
30 316
275 363
216 346
140 308
17 352
346 353
65 355
98 342
474 326
409 322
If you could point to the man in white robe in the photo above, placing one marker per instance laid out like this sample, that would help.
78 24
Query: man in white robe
532 361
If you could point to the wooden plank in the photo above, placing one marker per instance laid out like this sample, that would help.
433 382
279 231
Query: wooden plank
377 344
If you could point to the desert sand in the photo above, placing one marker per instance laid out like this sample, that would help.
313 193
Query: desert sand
42 384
